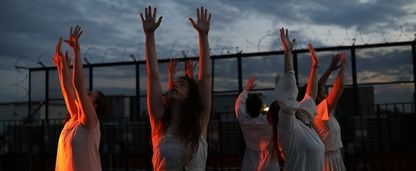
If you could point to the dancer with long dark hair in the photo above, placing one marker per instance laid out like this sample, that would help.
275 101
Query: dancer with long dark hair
258 133
179 123
79 141
325 123
301 145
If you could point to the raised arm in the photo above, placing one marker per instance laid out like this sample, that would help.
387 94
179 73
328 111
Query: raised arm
332 67
287 48
240 103
154 89
189 68
204 71
312 88
64 75
86 112
286 89
171 72
338 88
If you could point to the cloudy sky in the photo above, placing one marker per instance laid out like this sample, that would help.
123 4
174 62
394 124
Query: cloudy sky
112 31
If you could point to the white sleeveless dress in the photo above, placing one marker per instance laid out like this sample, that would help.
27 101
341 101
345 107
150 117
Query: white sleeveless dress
302 148
170 154
328 129
258 136
78 148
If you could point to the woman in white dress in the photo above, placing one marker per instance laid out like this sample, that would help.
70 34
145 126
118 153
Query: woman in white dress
302 149
179 122
78 146
257 132
325 122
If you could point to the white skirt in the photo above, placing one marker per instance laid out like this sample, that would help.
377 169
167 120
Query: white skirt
333 161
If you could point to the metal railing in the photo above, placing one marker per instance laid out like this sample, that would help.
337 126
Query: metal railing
125 143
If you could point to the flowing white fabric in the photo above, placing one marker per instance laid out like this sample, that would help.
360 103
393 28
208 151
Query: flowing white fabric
301 146
258 136
328 129
333 161
170 154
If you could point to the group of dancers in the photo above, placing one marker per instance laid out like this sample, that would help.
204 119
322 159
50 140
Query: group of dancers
295 134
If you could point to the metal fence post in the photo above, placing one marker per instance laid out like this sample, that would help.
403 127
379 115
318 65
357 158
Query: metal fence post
240 74
47 96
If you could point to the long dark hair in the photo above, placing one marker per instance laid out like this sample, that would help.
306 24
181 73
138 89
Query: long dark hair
254 104
273 118
189 127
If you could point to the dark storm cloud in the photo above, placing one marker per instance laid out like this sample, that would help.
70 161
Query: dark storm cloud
350 13
362 15
33 28
112 30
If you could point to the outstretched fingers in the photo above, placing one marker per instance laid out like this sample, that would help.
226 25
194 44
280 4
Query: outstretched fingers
154 14
58 46
284 40
149 15
146 13
312 52
150 24
141 16
287 35
77 32
192 22
159 21
335 60
198 14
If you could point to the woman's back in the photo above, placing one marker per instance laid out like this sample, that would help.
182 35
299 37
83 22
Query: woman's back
78 148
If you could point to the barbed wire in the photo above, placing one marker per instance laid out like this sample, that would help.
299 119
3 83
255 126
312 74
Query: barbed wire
19 84
185 50
376 35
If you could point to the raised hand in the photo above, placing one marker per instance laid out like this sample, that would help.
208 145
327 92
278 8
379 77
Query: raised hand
334 62
62 65
203 20
312 52
74 35
251 83
287 44
189 68
58 57
172 67
149 20
171 72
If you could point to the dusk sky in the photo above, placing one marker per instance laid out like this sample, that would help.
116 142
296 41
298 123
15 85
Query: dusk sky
113 31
